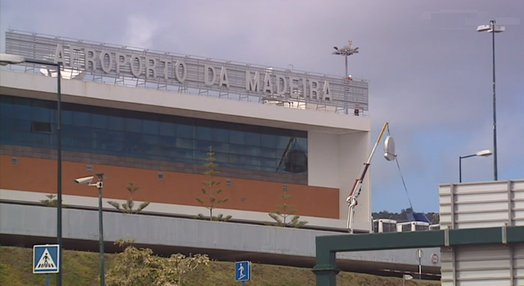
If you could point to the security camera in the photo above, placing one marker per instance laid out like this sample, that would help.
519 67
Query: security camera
84 180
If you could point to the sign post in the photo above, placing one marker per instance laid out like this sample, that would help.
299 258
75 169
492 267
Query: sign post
419 254
45 260
243 271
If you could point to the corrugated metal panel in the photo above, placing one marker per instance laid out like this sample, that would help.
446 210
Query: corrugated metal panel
489 204
487 265
478 205
518 265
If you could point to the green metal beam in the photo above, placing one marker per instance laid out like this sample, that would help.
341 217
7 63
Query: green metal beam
328 246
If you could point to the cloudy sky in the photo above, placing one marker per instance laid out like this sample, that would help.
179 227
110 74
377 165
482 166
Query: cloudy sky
429 70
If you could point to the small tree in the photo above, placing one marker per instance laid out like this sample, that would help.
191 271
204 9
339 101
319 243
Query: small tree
127 207
210 189
51 201
139 266
177 266
283 212
132 267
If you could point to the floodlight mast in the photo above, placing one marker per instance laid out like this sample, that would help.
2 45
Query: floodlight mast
357 187
346 51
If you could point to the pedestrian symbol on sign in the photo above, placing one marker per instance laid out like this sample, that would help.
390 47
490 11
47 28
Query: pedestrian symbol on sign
45 261
241 275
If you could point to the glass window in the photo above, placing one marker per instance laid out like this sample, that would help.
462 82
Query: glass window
6 110
184 143
67 117
20 125
220 147
82 119
22 111
237 137
221 158
253 162
267 140
237 149
252 139
268 152
167 129
151 127
220 135
121 132
301 144
252 150
282 141
99 121
134 125
203 146
167 141
40 114
203 133
116 123
238 160
185 131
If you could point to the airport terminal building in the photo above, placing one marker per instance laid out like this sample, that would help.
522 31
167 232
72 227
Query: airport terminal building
150 118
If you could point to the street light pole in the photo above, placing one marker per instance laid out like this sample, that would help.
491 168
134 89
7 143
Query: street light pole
99 185
483 153
7 59
492 28
101 228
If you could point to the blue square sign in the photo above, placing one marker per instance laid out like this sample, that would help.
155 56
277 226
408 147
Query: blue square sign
45 258
242 271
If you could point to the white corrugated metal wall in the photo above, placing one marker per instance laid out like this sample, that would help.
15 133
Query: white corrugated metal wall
477 205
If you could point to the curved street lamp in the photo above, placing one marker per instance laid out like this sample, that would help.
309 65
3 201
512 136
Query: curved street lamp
492 28
483 153
9 59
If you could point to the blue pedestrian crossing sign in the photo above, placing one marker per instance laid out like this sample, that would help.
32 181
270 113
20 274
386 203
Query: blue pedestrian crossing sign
45 258
242 271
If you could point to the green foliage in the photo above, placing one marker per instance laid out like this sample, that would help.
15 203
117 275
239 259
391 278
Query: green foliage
139 266
211 190
128 206
283 212
51 201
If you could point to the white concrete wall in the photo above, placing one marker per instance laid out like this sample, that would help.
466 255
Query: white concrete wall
336 161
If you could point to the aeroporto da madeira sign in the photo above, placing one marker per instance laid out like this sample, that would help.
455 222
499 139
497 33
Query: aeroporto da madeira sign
190 72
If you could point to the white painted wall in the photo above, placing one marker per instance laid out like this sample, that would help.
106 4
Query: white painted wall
336 161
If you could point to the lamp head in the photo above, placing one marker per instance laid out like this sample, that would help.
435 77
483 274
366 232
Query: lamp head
8 59
484 153
389 149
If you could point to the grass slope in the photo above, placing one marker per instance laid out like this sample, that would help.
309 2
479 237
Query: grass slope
81 269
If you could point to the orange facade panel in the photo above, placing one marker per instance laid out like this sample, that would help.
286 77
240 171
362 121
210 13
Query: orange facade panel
40 175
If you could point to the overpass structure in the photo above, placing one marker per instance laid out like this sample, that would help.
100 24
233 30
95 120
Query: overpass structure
482 241
25 225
